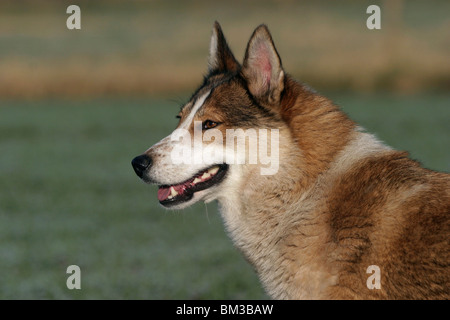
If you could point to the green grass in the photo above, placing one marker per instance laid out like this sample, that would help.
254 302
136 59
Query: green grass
417 124
69 196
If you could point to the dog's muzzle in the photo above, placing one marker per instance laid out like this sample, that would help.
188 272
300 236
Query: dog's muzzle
141 164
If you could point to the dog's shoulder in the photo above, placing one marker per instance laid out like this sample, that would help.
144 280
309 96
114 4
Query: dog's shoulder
389 211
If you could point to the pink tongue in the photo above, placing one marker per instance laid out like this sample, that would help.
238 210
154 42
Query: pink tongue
163 193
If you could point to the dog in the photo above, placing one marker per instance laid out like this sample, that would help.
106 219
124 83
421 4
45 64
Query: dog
341 216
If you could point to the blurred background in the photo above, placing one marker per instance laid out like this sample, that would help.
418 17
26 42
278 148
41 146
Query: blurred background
77 105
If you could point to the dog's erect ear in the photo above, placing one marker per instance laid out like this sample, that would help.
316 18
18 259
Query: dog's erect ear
262 67
221 59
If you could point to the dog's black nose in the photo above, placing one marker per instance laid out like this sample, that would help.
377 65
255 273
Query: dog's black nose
140 164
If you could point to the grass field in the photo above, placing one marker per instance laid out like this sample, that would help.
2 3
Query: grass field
137 47
69 196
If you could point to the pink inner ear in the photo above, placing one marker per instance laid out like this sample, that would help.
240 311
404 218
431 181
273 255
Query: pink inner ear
262 64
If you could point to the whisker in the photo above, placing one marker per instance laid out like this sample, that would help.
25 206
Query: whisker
207 214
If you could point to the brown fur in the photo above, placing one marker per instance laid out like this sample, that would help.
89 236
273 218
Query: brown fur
391 212
299 109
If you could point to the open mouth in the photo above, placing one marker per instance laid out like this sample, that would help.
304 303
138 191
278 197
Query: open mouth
178 193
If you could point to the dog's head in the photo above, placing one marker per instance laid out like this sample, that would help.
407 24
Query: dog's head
200 159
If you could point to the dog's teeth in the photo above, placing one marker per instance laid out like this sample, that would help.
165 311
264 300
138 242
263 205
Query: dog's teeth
213 171
173 192
206 175
196 180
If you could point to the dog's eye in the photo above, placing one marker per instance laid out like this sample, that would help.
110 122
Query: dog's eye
178 116
209 124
